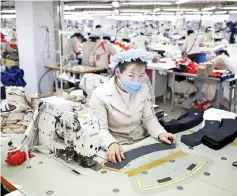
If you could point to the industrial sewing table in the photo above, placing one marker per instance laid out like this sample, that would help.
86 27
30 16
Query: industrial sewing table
46 175
162 79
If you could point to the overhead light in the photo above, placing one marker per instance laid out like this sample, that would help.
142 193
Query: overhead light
98 12
164 13
88 6
8 16
182 1
135 10
233 12
71 17
220 12
180 9
146 3
8 11
156 9
198 12
115 4
209 8
229 8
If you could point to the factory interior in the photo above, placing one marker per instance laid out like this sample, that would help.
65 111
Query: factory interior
118 97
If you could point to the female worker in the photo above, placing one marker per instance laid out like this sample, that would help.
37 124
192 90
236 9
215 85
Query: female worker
102 52
223 60
124 107
74 46
192 45
87 48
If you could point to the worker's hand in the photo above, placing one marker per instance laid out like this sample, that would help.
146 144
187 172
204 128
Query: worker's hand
168 138
115 153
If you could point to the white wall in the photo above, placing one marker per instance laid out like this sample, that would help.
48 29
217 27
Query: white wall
31 17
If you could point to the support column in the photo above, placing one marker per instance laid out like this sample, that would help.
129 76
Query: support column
36 42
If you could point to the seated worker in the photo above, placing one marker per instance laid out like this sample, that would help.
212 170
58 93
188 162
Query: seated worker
223 61
102 52
124 107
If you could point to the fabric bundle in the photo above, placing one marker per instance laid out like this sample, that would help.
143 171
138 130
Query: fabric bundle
187 120
13 76
17 121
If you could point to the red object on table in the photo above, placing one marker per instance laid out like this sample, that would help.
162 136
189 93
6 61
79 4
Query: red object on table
17 157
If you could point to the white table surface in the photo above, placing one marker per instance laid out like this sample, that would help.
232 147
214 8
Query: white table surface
56 176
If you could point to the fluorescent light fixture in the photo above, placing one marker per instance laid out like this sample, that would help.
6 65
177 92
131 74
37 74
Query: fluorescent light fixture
72 17
220 12
156 9
209 8
233 12
182 1
98 12
8 16
135 10
165 13
90 6
181 9
8 11
198 12
229 8
146 3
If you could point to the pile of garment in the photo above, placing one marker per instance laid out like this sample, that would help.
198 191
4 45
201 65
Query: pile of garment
13 76
214 134
184 91
189 119
18 120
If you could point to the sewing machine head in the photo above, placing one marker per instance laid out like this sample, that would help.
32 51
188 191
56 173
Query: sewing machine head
69 134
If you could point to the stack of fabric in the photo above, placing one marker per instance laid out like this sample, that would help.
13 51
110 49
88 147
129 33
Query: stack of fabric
18 120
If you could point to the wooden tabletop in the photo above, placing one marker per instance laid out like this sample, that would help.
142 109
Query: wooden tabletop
80 69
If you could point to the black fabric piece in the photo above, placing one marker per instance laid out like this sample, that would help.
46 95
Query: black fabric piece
187 120
191 167
11 108
195 139
139 152
3 93
164 180
226 134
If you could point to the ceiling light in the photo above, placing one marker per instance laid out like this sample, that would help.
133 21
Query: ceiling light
220 12
98 12
156 10
115 4
8 16
146 3
90 6
135 10
182 1
181 9
71 17
164 13
208 8
8 11
229 8
198 12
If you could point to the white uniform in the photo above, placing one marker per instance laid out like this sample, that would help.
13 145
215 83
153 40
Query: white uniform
224 62
73 46
192 44
140 41
124 118
86 52
102 52
126 33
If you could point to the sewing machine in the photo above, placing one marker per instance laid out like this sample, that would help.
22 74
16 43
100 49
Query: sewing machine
70 135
